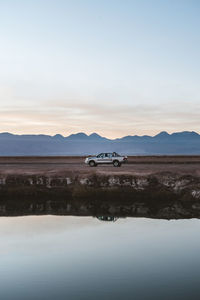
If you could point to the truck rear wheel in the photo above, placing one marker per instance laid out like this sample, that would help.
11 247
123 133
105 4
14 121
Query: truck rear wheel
116 163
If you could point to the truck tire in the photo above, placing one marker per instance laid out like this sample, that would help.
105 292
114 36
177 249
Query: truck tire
116 163
92 163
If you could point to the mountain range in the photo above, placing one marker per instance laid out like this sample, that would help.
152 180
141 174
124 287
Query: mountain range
186 142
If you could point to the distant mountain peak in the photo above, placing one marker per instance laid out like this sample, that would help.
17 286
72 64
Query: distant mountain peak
6 134
95 135
162 134
58 136
185 135
79 135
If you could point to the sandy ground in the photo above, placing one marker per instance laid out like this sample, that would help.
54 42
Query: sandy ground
137 165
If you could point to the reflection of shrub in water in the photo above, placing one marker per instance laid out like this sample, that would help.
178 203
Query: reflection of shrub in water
107 218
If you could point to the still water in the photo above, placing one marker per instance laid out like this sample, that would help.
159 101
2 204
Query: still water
50 257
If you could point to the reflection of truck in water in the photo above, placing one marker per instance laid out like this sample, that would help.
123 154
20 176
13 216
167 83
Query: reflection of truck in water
106 158
107 218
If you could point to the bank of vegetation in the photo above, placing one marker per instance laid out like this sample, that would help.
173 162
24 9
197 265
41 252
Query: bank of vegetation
163 195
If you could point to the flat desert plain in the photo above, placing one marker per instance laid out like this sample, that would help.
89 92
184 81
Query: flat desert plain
136 165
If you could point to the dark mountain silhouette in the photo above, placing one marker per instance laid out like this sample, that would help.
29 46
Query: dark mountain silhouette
163 135
95 136
78 136
58 136
186 142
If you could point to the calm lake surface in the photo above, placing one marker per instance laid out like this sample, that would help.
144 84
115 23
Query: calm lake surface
50 257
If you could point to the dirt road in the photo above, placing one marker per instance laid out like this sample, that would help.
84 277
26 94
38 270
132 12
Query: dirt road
138 165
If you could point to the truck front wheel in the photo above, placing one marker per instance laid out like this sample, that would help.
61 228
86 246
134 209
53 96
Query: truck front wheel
92 163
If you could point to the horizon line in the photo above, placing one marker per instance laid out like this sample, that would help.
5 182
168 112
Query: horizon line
95 133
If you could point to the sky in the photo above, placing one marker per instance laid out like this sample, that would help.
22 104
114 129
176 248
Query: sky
115 67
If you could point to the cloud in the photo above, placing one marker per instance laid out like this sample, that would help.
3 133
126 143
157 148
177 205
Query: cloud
110 119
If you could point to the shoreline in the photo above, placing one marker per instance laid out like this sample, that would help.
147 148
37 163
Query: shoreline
167 191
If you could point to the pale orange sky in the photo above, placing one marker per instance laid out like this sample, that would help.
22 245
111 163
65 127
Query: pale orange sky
108 120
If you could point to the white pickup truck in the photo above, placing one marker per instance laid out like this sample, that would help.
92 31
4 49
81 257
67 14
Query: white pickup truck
106 158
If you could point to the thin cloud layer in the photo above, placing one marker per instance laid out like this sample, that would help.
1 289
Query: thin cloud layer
110 120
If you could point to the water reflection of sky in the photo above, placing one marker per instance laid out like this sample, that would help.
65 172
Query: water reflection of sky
82 258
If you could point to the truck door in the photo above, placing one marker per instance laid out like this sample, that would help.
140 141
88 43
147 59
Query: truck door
109 157
100 158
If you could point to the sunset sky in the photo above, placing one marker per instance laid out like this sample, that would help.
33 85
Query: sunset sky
111 67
